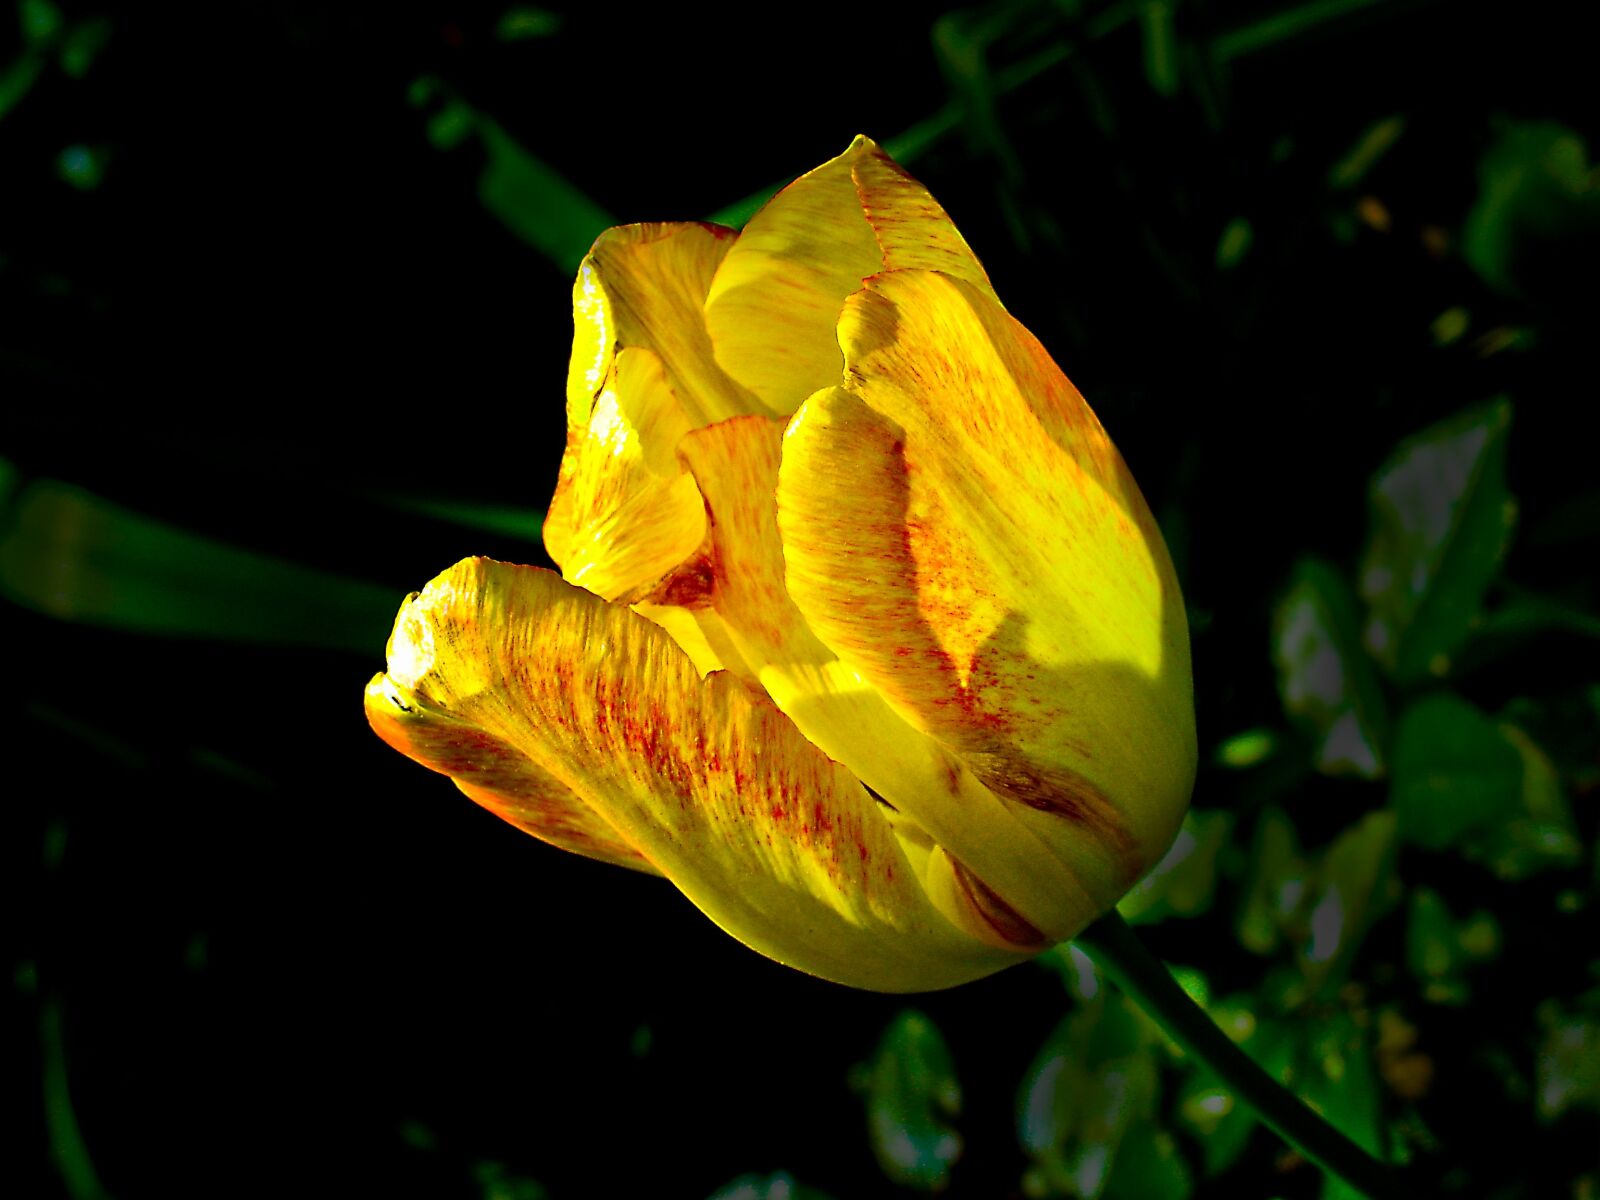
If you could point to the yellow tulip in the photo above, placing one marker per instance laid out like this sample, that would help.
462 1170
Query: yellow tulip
865 637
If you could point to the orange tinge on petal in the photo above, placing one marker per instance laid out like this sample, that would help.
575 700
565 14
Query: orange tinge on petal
588 726
958 528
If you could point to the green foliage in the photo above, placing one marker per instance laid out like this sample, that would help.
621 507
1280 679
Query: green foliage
1324 677
533 200
1453 772
1182 883
1440 949
778 1186
1441 521
1538 201
1463 780
68 553
1332 1070
500 1182
911 1096
1568 1067
505 520
45 33
525 21
1089 1099
1275 885
1209 1111
81 166
1353 887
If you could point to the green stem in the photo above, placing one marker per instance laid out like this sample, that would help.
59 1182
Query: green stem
1122 956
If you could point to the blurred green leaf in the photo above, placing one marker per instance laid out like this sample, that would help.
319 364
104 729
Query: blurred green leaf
1339 1081
1439 948
1441 520
1219 1122
1074 968
1524 613
778 1186
1160 46
533 200
1246 749
1149 1166
40 20
1537 215
1567 1071
1482 786
1095 1077
81 166
1282 27
71 555
17 79
1275 885
1237 237
1373 144
503 520
82 45
453 124
1327 1061
1205 1105
1182 883
961 43
1432 950
1354 887
68 1148
1453 772
524 21
911 1096
1540 832
497 1181
1324 677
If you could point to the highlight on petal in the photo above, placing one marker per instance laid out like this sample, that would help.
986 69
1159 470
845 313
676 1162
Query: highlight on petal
645 286
516 676
959 529
734 595
774 304
624 512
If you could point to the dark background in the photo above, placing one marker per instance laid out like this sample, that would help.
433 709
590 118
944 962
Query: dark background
254 287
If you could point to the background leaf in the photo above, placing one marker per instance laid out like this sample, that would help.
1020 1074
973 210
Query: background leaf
1324 676
1536 220
68 553
911 1097
1441 520
1453 772
1182 883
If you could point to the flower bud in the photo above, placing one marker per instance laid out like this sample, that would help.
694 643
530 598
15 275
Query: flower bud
868 641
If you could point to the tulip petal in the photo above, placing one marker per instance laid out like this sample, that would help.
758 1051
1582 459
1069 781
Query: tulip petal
624 512
959 529
913 230
774 304
737 598
703 778
494 773
645 286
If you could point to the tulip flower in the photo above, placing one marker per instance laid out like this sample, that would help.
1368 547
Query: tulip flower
864 636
